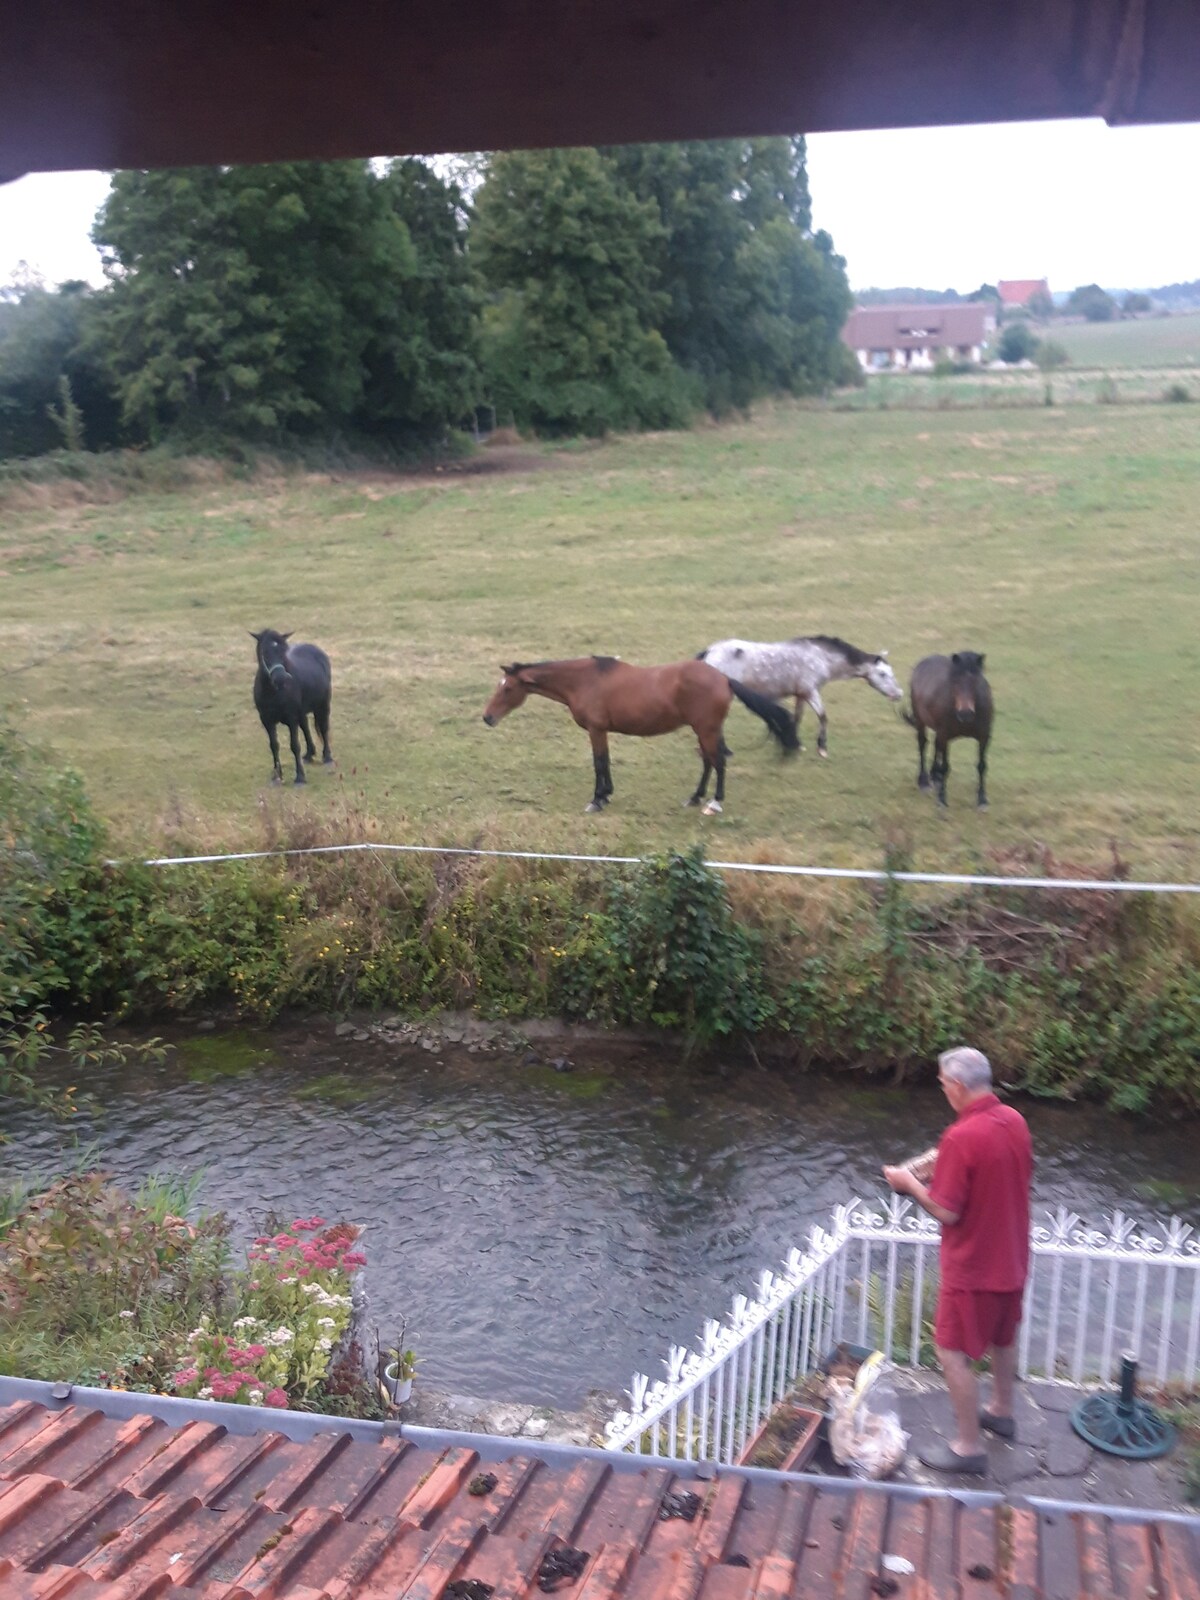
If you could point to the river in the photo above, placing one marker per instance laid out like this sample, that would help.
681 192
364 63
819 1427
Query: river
546 1232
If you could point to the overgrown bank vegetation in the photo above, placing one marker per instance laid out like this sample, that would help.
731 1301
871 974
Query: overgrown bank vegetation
1073 995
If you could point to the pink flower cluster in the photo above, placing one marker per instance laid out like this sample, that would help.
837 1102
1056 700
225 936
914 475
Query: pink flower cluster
231 1376
291 1256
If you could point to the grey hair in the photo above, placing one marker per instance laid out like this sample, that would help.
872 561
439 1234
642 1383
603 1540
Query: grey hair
969 1067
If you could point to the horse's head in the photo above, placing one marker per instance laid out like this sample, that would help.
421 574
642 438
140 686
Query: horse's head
271 649
966 676
512 691
879 675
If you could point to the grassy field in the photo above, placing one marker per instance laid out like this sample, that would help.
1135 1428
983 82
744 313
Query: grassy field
1060 541
1143 342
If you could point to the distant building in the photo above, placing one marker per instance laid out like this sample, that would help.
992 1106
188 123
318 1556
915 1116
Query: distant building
1020 291
915 338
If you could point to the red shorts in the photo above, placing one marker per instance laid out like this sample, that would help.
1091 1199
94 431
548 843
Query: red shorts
971 1320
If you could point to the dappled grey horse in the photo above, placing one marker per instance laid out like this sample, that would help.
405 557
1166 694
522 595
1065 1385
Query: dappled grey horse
799 668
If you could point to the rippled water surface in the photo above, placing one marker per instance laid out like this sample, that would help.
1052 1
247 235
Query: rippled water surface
548 1233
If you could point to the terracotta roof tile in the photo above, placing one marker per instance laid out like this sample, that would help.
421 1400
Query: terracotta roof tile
101 1507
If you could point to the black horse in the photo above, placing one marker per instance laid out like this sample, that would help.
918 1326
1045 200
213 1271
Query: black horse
291 681
951 698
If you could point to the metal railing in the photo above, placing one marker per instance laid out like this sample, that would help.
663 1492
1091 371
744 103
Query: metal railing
870 1278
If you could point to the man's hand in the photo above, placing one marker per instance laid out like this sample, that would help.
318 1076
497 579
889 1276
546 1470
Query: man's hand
901 1180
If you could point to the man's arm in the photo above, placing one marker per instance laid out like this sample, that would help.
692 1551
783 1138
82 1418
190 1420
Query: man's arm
904 1182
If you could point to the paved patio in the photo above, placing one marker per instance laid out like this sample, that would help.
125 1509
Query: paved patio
1047 1459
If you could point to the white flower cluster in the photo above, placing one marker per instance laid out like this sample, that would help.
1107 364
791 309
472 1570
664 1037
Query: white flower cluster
255 1397
279 1336
326 1322
246 1322
322 1297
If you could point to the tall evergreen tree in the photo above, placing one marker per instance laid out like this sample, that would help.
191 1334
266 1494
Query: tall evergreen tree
572 261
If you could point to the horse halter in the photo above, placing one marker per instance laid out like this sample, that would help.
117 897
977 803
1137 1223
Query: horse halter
276 666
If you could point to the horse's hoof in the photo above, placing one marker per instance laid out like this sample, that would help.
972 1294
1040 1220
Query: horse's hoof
712 809
328 761
299 780
276 779
592 807
824 754
694 801
312 757
981 805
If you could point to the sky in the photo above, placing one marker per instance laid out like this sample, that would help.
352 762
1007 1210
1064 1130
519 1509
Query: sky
1074 202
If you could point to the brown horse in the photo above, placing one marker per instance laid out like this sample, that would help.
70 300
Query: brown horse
606 695
950 697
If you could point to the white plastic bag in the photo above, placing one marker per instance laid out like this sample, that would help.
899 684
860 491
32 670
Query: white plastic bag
864 1425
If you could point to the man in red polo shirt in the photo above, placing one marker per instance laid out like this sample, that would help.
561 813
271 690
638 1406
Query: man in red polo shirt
980 1195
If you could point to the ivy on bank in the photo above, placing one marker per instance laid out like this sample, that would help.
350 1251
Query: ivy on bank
1101 1001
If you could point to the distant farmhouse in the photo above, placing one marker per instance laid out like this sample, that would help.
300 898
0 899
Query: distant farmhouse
1020 291
915 338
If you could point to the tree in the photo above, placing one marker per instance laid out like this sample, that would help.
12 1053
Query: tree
1135 302
257 299
1040 304
45 341
423 362
986 291
715 199
1018 342
573 264
1092 302
1051 355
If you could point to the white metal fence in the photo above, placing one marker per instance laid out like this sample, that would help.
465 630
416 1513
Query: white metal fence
870 1279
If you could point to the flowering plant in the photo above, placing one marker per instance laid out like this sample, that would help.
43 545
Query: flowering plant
292 1308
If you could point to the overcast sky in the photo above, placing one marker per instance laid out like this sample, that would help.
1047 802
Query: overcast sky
1076 202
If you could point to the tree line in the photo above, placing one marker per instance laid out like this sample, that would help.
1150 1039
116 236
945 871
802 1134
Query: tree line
566 291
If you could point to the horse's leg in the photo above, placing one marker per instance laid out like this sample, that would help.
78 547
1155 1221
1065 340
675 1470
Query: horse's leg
718 798
922 741
982 799
604 783
799 713
321 718
818 706
702 786
941 766
273 741
310 749
294 734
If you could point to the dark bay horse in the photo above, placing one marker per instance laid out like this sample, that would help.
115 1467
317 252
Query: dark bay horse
951 699
606 695
291 681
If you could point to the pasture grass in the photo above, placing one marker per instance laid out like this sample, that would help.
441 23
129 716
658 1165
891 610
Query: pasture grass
1060 541
1137 342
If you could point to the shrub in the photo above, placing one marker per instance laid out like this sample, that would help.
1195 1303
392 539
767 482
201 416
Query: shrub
1177 394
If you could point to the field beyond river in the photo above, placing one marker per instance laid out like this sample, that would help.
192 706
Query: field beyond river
1060 541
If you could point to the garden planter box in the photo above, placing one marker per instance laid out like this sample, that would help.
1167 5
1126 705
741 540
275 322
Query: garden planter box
786 1441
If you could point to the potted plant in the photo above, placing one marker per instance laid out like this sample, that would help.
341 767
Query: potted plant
400 1369
787 1439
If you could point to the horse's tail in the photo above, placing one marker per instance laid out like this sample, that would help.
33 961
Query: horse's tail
772 713
909 718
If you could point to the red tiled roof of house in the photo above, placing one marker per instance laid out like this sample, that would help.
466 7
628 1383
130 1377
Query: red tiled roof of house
100 1507
914 327
1019 291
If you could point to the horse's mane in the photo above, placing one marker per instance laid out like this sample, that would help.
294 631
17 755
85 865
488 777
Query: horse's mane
855 656
605 663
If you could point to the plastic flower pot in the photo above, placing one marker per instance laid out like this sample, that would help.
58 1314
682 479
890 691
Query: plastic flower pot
787 1439
399 1389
